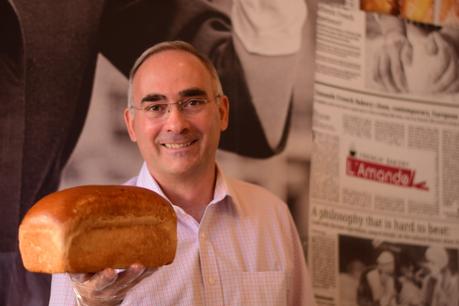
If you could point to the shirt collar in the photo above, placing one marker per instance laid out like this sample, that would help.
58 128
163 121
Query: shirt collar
146 180
223 189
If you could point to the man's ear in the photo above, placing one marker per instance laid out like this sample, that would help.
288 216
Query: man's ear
129 121
223 109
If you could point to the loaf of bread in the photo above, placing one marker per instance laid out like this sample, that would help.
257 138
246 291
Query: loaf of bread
90 228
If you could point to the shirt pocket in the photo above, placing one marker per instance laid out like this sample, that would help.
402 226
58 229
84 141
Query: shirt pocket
256 288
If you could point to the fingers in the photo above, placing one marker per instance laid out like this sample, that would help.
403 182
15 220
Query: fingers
107 287
390 60
104 280
97 281
446 79
398 73
92 289
129 276
80 277
386 74
396 56
391 72
407 54
431 45
375 74
447 70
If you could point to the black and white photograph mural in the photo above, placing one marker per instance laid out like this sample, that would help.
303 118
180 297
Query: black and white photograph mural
374 272
64 88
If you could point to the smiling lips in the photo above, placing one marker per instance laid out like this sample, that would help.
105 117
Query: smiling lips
178 145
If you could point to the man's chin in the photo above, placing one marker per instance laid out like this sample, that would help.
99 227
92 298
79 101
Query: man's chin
180 168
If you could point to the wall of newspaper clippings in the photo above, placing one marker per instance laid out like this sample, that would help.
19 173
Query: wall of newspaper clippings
384 193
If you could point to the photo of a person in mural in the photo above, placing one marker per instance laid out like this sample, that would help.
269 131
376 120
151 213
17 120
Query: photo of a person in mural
267 39
395 274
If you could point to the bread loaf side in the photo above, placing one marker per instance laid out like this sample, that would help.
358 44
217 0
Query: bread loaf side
90 228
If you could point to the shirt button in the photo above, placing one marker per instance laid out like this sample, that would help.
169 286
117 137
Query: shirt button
203 236
211 281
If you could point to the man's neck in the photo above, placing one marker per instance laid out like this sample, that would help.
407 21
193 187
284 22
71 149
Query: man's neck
191 193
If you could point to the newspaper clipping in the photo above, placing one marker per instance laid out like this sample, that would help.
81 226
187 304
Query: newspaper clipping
384 213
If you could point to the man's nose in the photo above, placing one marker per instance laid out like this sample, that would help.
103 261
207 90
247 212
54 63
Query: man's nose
175 120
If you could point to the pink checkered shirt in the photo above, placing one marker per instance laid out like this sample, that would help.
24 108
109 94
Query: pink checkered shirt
245 251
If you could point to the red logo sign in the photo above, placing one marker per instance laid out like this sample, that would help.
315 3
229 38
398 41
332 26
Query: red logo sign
383 173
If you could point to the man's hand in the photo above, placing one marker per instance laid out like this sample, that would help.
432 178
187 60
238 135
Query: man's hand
388 70
446 74
107 288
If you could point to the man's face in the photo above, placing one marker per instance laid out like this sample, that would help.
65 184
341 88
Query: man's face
387 268
178 143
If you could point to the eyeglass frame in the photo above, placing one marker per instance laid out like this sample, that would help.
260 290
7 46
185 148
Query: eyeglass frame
179 104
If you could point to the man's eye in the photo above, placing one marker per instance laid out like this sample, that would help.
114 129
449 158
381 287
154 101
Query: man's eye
155 108
194 102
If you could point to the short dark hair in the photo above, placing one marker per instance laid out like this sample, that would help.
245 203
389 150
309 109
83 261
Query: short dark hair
173 45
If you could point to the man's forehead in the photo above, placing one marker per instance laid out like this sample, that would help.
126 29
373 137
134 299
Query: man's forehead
173 71
172 63
170 58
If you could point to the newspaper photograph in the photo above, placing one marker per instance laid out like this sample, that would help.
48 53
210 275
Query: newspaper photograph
384 195
438 12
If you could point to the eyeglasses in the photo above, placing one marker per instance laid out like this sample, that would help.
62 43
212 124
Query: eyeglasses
187 106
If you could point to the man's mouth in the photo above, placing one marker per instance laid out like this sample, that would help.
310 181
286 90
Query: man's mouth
178 145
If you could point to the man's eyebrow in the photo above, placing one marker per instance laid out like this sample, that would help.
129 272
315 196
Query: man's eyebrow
189 92
153 98
192 92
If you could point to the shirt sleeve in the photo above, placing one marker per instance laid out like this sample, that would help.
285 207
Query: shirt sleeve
61 291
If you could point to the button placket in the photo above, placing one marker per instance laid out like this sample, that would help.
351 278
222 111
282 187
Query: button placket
210 273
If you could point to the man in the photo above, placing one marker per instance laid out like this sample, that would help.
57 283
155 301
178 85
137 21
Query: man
377 283
47 61
48 57
440 285
237 243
